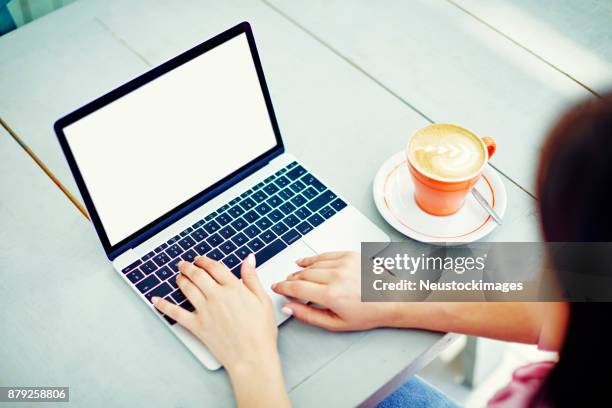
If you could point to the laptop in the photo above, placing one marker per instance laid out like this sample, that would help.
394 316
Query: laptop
186 160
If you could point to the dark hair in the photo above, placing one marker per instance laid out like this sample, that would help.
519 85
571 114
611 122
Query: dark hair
574 189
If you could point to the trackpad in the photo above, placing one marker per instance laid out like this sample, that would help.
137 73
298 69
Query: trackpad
277 269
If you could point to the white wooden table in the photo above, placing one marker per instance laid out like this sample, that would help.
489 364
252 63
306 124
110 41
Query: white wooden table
349 82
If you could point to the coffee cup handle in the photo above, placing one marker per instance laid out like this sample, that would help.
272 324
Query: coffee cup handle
491 146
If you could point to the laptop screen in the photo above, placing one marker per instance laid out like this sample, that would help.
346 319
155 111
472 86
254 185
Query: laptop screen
156 147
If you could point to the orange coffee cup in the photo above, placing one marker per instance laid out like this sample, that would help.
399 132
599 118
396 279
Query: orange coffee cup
445 162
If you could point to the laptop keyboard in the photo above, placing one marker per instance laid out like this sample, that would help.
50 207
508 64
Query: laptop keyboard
263 220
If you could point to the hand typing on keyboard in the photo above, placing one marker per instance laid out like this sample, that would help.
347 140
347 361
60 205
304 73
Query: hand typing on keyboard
235 319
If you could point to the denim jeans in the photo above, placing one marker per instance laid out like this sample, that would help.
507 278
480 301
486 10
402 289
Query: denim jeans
416 393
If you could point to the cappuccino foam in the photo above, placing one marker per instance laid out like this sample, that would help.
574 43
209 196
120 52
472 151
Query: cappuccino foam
448 152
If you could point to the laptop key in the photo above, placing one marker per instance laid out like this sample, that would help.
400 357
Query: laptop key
148 267
298 200
280 228
223 219
172 281
178 296
211 227
291 236
189 256
161 259
255 245
174 250
286 193
291 220
239 224
315 220
282 181
227 247
242 252
148 256
170 320
227 232
135 276
269 251
199 235
320 201
296 173
230 261
269 179
264 223
259 196
267 236
215 254
292 165
236 211
240 239
304 227
202 248
251 216
327 212
311 180
186 243
338 204
214 240
160 291
310 193
252 231
297 186
274 201
173 264
210 216
164 273
132 266
287 208
271 189
247 203
276 215
303 213
147 284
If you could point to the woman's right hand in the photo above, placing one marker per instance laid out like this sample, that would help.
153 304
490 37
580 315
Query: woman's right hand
333 281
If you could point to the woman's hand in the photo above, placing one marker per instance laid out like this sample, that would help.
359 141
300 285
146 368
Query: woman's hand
235 320
333 281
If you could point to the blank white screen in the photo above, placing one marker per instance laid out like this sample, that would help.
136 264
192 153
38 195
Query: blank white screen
151 150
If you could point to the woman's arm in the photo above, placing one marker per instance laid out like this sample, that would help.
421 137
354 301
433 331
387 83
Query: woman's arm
332 280
508 321
235 320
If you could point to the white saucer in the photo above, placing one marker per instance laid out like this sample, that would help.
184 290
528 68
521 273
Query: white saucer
393 194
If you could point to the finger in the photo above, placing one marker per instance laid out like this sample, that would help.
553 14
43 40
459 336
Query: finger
217 270
191 291
250 278
179 314
198 276
323 318
312 274
326 256
309 291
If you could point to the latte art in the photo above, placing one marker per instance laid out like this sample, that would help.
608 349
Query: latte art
447 152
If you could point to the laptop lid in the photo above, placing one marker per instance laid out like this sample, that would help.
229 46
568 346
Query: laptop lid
158 147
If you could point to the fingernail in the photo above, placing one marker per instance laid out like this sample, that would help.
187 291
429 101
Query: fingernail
286 310
251 260
298 261
155 300
181 262
273 286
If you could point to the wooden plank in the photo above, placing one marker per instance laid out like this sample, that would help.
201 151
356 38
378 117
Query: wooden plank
445 64
573 36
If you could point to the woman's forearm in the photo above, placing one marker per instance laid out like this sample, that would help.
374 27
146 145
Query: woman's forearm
261 386
518 322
